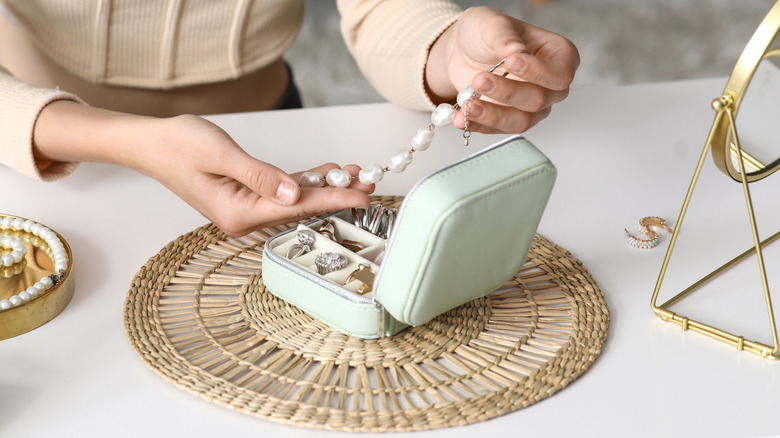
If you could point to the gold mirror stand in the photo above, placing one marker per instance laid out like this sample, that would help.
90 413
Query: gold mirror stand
723 106
724 143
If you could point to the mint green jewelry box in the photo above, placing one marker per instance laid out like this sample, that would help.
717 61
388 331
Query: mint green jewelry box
460 233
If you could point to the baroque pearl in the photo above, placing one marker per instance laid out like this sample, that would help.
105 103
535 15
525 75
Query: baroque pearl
338 178
466 94
399 161
312 179
372 174
442 115
423 138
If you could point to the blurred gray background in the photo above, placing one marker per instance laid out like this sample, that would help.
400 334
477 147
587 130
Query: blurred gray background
620 41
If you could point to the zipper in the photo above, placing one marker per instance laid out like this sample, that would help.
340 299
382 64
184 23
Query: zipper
381 325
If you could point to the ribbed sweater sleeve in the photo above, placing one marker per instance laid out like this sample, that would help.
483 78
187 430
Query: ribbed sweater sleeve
390 40
20 105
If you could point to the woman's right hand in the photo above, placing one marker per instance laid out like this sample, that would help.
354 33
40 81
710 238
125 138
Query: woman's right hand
196 160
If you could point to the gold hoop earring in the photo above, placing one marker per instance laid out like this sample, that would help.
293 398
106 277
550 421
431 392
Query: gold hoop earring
647 226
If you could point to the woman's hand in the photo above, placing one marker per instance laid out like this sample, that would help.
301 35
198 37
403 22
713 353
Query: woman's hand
235 191
541 66
196 160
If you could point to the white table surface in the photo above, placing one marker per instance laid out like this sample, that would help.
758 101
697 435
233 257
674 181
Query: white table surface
622 152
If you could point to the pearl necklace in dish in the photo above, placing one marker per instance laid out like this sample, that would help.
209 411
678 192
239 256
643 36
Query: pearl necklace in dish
12 262
373 173
59 256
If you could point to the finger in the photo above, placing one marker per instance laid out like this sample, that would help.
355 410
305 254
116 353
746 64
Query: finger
501 34
521 95
491 118
551 64
265 179
312 202
242 218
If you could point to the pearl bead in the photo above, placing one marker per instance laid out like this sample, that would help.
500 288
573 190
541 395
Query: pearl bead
15 300
25 296
338 178
36 228
46 281
5 304
33 292
27 224
372 174
312 179
17 224
399 161
423 138
7 259
17 256
466 94
6 222
442 115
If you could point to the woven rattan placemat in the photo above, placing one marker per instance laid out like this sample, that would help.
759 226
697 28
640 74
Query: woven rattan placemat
197 313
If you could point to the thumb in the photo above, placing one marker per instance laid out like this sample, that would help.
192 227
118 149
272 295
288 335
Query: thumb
269 181
503 36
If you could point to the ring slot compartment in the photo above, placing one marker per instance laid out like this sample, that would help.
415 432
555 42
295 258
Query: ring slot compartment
323 244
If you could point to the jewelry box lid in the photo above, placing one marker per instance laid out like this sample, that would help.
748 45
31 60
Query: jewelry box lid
464 230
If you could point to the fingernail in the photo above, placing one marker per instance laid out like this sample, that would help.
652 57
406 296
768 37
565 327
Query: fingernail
286 192
485 85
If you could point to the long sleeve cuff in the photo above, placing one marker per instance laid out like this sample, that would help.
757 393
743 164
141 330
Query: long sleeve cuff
20 105
391 39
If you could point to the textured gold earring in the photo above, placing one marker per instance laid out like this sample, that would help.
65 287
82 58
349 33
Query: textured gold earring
647 226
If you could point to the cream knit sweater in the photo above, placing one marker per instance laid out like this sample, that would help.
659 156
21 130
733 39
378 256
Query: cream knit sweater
164 44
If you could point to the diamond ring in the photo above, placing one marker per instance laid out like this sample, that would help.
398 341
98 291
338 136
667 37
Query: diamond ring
328 262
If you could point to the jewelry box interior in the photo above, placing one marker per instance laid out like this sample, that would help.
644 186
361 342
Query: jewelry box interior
357 235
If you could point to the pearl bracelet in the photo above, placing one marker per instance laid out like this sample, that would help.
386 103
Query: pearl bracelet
373 173
58 254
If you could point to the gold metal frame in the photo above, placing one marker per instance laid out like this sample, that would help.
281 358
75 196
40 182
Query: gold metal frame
724 142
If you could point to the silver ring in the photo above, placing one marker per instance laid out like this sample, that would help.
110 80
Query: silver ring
357 216
306 237
391 214
297 250
376 219
328 262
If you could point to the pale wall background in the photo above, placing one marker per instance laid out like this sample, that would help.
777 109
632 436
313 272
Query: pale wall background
620 41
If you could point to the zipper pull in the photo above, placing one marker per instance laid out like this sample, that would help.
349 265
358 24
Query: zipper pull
381 326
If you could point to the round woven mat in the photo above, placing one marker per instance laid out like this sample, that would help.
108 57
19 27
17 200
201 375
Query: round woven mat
198 314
